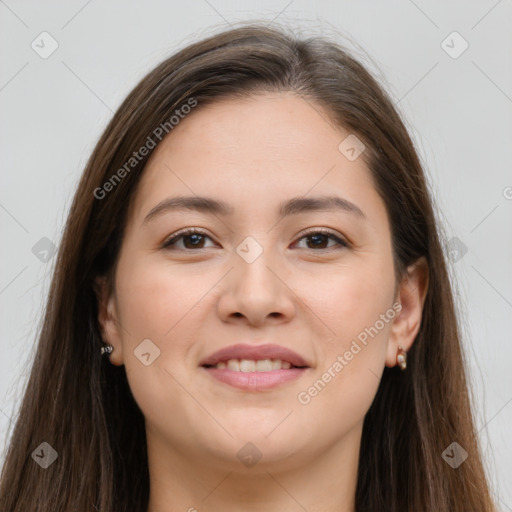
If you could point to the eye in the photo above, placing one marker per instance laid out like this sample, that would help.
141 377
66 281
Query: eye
319 237
191 237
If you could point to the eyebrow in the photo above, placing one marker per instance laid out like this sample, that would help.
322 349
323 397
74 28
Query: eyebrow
292 206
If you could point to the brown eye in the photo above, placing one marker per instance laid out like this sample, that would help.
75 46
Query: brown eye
320 240
192 239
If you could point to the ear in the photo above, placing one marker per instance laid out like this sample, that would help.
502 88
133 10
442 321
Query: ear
411 295
110 327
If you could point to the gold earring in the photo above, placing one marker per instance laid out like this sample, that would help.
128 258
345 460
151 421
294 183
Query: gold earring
401 358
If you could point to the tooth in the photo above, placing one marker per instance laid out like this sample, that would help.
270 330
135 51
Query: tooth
276 364
247 365
234 365
264 365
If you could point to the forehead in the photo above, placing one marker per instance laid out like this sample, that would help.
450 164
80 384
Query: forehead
281 123
250 150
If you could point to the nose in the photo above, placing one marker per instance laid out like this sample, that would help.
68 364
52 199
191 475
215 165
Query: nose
256 293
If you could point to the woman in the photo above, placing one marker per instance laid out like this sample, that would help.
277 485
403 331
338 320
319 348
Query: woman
253 248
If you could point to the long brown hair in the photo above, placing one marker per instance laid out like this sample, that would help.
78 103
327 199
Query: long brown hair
82 406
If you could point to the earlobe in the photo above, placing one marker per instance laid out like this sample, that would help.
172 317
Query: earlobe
107 318
411 295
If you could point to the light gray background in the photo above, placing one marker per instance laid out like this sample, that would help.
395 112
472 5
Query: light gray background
459 111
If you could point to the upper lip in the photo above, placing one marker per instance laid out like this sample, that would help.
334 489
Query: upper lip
254 352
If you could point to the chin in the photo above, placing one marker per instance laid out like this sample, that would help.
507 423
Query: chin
275 443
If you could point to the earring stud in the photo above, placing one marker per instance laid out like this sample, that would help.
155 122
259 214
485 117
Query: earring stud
107 349
401 358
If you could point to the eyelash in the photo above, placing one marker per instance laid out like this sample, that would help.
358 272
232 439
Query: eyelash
194 231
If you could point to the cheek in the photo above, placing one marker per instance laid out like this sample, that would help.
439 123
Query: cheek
154 300
357 306
154 309
153 304
349 302
340 401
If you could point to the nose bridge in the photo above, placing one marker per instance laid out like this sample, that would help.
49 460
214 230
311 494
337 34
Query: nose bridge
252 262
254 288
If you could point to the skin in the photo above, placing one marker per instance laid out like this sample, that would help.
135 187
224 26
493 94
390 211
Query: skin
314 298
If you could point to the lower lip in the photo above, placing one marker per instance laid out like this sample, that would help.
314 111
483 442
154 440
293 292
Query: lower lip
255 381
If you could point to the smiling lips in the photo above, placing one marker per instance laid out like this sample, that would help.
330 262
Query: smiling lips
255 367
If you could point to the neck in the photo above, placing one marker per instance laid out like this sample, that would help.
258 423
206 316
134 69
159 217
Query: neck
196 483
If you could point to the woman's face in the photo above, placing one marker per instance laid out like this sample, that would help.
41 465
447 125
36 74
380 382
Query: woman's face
298 258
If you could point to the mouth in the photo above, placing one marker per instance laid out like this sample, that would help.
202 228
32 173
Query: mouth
252 365
255 367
